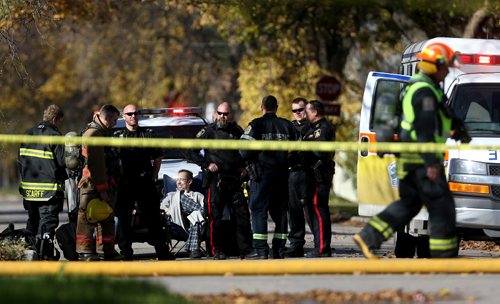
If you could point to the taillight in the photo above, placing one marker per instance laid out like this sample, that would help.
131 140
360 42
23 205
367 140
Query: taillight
479 59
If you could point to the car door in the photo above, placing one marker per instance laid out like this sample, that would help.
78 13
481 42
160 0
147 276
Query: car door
377 182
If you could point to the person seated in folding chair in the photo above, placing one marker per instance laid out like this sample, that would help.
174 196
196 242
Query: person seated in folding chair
185 208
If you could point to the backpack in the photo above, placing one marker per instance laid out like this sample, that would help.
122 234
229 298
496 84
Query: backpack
43 248
66 238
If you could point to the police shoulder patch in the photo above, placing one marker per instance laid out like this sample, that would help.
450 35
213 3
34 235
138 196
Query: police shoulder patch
248 129
317 133
200 133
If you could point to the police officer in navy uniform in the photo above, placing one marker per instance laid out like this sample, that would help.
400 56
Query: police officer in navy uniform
321 169
140 168
297 187
42 172
268 172
224 171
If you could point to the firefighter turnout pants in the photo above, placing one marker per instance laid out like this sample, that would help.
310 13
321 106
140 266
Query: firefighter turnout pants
269 195
43 217
415 190
105 235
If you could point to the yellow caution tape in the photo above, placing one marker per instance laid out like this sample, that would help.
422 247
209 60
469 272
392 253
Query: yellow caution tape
241 144
236 267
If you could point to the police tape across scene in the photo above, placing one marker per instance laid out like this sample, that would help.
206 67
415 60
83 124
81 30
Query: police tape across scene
393 147
237 267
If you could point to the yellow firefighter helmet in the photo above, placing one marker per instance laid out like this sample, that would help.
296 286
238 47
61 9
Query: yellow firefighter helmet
98 211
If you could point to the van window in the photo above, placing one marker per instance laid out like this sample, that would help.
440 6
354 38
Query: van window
390 87
478 106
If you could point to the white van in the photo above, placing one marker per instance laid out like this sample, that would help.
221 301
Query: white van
473 92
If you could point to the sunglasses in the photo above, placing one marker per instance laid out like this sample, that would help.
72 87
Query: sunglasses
223 113
297 110
131 113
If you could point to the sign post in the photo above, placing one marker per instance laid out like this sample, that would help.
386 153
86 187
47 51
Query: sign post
328 89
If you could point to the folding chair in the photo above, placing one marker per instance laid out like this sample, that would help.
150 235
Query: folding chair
177 235
176 232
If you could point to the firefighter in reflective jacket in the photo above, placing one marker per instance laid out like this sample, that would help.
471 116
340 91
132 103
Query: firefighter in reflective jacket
42 172
425 118
97 182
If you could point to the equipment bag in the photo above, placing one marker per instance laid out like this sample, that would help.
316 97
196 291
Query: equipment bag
66 238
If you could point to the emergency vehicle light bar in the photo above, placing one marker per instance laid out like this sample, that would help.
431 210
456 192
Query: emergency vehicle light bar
171 111
480 59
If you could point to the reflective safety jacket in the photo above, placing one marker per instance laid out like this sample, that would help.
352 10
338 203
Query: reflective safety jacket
41 166
426 118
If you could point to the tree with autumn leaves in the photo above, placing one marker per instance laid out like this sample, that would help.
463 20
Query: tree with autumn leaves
83 53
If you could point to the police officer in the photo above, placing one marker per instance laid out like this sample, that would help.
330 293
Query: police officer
140 168
319 175
268 180
223 174
98 181
42 172
421 176
297 187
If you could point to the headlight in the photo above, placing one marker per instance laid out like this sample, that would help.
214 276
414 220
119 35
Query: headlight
461 166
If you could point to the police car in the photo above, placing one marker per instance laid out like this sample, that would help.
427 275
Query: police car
473 92
182 123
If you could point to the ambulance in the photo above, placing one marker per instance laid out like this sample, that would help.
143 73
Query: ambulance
473 92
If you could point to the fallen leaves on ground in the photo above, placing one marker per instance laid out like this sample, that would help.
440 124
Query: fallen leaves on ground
479 245
352 223
327 296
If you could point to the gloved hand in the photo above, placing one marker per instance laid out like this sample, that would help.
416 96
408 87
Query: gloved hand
460 132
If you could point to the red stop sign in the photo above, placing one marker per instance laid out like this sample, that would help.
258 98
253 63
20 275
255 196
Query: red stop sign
328 88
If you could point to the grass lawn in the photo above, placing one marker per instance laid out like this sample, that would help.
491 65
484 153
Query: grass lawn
72 289
342 209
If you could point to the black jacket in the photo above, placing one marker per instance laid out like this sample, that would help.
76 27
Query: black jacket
41 166
295 158
228 161
268 127
135 162
321 130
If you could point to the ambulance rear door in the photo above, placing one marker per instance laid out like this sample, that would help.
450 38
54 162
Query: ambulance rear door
377 182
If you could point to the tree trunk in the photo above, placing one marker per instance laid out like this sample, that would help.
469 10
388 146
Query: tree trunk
475 21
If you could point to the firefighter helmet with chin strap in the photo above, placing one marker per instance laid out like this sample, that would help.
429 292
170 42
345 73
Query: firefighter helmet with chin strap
436 54
98 211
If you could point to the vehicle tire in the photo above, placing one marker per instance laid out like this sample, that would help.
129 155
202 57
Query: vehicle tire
405 245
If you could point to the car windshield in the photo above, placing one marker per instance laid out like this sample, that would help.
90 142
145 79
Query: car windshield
478 106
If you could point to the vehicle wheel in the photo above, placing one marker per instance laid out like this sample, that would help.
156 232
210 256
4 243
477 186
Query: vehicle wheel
405 245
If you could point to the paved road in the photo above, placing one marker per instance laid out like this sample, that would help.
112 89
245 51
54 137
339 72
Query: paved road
480 288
